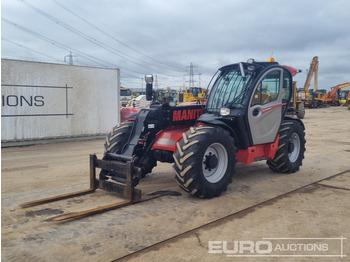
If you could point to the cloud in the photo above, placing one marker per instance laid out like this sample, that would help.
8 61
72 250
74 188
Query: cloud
164 37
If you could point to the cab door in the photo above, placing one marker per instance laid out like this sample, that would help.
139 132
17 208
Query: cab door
266 106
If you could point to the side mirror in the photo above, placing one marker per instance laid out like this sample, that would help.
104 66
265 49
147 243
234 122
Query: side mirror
291 109
149 87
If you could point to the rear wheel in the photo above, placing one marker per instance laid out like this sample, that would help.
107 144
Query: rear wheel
301 110
291 148
205 161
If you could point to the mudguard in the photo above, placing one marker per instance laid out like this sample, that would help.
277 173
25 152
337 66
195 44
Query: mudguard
294 118
167 138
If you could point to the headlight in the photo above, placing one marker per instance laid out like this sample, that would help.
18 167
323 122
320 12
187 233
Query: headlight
225 111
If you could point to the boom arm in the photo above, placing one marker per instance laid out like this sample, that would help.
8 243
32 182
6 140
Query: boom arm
312 70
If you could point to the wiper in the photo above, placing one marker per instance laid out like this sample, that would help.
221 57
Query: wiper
235 100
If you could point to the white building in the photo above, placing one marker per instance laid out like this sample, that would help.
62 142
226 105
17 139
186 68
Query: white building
42 101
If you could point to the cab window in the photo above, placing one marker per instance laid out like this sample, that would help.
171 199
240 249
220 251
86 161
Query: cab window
268 89
286 90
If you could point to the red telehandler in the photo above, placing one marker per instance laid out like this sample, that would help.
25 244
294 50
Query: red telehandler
244 120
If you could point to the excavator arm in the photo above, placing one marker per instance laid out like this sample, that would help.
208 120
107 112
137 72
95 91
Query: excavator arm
313 70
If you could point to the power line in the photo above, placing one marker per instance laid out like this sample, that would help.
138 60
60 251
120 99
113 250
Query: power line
30 49
92 59
87 37
115 39
85 56
54 43
73 30
67 48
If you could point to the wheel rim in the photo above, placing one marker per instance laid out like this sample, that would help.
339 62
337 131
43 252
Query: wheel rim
215 163
294 147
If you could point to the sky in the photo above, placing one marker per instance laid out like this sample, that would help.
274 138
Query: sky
165 37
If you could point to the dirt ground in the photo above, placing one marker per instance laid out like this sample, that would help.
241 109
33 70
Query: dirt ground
306 214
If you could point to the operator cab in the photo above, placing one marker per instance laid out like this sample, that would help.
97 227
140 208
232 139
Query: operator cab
251 96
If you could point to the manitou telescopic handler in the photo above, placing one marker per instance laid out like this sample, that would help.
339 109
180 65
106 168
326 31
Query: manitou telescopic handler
244 120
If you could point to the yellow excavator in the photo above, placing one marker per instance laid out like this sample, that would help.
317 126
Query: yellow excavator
347 100
192 94
311 99
344 96
302 96
347 103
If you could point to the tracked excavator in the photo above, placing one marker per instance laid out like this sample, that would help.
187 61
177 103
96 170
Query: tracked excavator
332 97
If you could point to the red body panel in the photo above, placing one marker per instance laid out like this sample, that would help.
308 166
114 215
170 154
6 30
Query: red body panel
293 70
167 138
124 111
258 152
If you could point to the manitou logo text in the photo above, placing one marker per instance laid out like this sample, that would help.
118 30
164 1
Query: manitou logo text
187 114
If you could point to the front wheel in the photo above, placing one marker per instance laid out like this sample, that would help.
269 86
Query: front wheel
118 137
116 140
205 161
291 148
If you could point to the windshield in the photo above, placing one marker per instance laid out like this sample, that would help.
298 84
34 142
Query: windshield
343 94
228 89
195 91
125 92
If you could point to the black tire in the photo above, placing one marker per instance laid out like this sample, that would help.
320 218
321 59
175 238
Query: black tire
301 110
205 161
321 104
291 148
313 104
118 137
116 140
